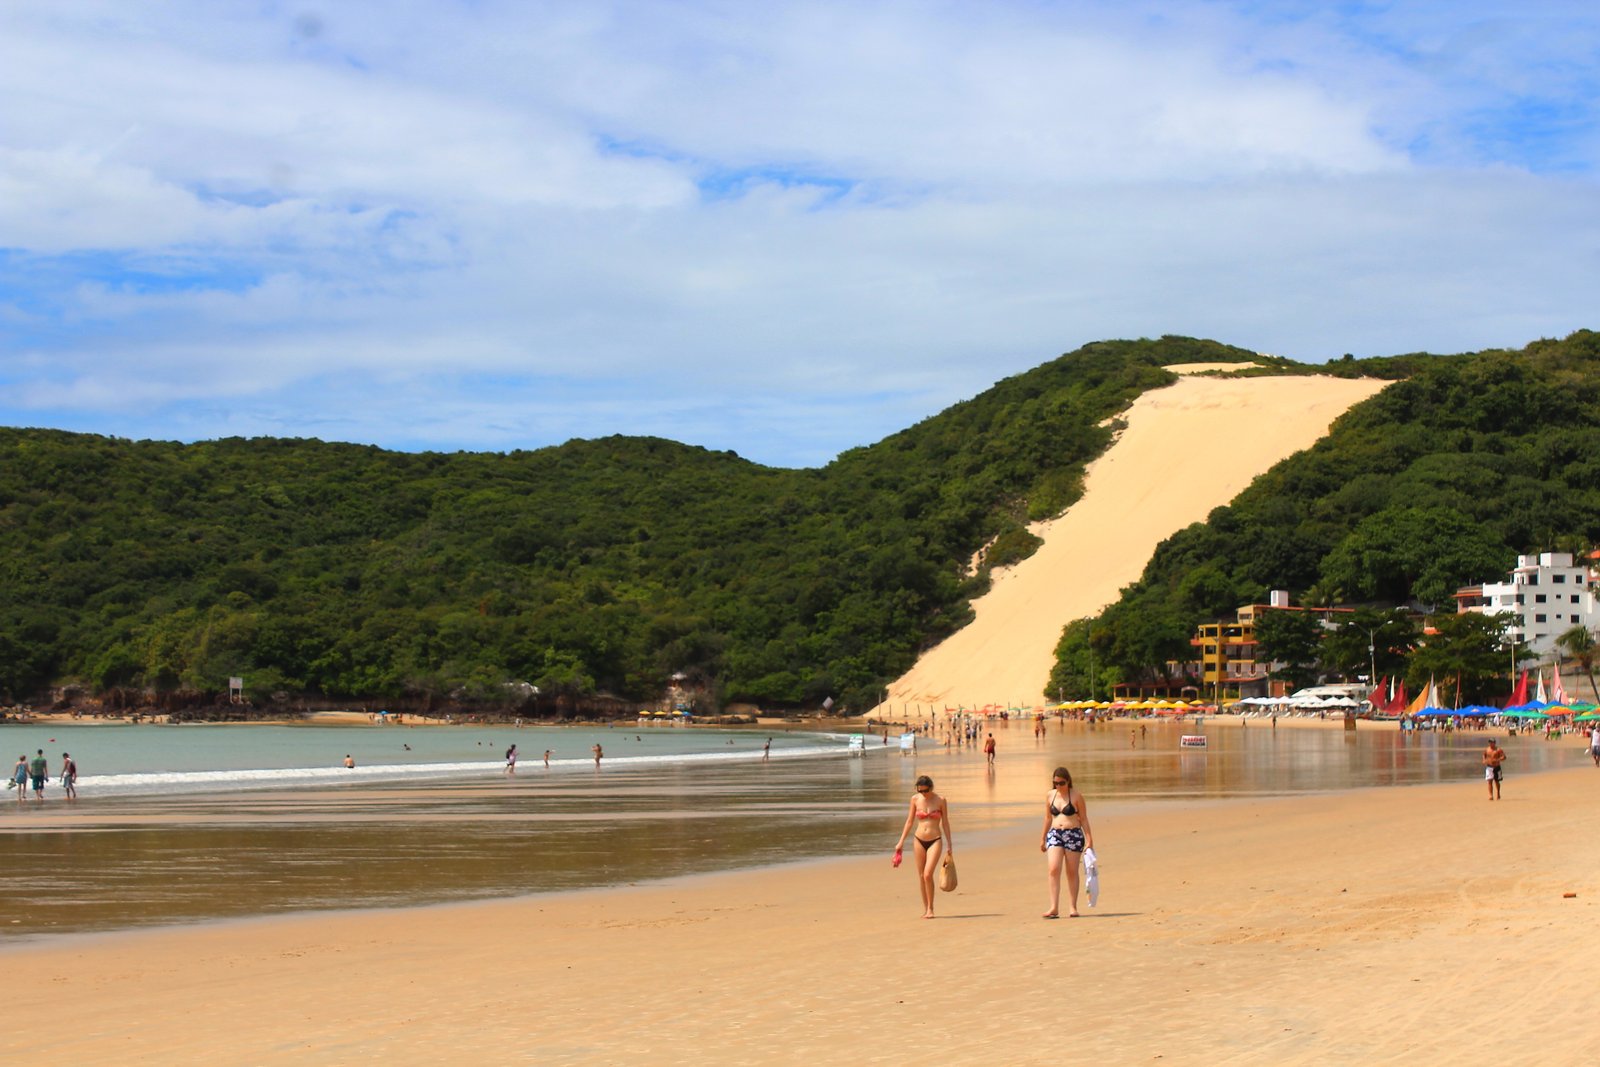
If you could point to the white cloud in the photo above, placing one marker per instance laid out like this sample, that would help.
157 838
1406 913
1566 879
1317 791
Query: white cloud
491 225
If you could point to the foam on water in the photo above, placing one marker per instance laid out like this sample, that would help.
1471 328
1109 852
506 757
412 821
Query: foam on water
138 783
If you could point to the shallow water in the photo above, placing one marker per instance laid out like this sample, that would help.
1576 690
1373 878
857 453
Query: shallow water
123 759
124 860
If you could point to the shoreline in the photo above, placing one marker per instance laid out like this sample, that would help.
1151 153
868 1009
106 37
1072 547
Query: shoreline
1323 928
362 718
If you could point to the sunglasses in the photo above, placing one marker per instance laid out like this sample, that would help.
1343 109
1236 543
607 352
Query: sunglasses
1058 781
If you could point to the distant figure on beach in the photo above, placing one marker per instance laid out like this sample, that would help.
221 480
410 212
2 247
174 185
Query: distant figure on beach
69 776
766 751
988 750
349 761
19 777
40 770
597 754
1066 834
511 760
547 757
1594 743
407 747
930 815
1493 757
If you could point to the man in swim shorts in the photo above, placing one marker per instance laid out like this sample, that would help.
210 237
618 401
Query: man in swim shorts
40 770
69 776
1493 757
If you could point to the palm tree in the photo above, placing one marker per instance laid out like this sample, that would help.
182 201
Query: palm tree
1323 594
1579 643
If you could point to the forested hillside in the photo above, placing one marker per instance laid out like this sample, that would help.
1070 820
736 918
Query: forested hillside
602 565
1439 481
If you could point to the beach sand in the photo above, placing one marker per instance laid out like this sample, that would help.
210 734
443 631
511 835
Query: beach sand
1402 925
1188 448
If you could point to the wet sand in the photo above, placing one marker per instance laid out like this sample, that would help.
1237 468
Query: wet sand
1414 925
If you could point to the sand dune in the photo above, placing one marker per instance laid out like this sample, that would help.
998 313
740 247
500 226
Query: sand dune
1187 448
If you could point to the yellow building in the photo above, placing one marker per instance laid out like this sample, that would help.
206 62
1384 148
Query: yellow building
1227 651
1227 655
1225 666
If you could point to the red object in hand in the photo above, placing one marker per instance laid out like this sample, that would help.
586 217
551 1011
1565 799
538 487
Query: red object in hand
897 857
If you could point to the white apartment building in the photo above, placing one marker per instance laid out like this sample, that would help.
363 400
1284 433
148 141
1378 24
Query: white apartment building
1549 594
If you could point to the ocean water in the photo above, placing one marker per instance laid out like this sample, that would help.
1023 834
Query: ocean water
117 760
184 824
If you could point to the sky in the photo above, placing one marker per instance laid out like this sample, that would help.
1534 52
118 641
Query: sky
781 229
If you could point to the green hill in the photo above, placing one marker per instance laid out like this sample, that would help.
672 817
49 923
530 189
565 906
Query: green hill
597 566
1439 481
606 566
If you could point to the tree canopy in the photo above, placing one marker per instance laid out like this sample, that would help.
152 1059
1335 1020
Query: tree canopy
596 566
609 565
1439 481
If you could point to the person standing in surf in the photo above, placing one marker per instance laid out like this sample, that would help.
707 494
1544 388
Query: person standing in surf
40 770
69 776
928 825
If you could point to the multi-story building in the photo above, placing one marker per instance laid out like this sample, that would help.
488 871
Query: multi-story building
1227 651
1548 594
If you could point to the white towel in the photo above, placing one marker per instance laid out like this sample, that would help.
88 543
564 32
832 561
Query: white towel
1091 864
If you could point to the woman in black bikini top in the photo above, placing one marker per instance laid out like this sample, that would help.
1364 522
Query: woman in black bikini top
929 812
1065 835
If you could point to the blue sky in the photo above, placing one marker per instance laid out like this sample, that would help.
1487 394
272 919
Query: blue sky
781 229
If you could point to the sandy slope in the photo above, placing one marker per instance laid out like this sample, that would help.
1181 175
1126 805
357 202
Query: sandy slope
1187 449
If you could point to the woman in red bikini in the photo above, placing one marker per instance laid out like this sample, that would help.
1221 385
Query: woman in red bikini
930 816
1066 833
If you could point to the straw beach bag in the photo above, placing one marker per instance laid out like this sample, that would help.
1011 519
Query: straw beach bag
947 875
